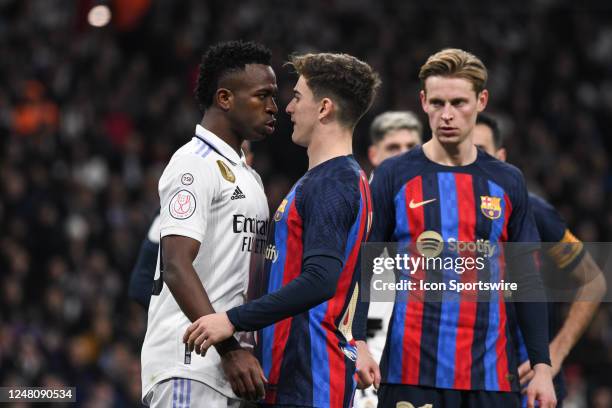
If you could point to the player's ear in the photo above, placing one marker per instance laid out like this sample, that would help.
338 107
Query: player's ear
501 154
326 108
483 98
224 98
423 98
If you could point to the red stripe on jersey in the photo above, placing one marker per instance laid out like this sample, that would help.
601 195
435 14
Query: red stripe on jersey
293 267
413 327
467 306
365 186
502 339
337 366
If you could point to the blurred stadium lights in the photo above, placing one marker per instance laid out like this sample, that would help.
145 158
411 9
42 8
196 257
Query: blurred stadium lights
99 15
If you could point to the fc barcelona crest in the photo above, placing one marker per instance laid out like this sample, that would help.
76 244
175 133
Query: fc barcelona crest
490 207
281 209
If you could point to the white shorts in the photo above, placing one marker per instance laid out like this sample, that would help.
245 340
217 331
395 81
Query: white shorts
186 393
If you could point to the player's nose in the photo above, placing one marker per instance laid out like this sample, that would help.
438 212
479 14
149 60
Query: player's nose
272 107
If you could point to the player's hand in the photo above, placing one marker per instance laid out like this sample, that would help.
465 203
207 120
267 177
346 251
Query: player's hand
368 372
244 374
206 331
557 356
541 388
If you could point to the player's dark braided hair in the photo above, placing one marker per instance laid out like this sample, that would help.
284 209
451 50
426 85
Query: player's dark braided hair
224 58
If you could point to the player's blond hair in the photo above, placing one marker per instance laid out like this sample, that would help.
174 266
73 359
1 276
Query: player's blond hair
350 83
455 63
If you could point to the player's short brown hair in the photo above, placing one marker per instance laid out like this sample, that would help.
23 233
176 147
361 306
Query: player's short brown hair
453 62
349 82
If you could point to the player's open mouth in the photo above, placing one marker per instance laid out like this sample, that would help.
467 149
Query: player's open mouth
270 126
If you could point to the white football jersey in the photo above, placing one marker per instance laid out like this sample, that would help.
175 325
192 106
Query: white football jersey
208 193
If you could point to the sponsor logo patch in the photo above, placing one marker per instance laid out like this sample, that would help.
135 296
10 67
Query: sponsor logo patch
238 194
490 207
187 179
225 171
182 205
414 205
406 404
430 244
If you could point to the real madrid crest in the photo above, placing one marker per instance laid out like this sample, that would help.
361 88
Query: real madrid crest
226 172
490 207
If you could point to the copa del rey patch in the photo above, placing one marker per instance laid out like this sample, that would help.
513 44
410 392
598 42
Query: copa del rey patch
182 205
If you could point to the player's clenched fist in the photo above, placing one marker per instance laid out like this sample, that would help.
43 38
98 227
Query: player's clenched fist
207 331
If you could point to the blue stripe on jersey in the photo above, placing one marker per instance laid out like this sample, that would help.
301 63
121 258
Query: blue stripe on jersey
206 152
174 392
396 337
490 357
276 280
318 337
188 402
449 315
319 359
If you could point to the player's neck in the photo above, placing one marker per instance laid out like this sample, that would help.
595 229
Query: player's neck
328 142
220 126
461 154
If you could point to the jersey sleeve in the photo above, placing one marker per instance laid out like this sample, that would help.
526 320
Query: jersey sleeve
328 209
186 190
381 187
521 226
567 250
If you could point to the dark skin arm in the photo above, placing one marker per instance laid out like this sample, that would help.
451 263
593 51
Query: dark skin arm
240 366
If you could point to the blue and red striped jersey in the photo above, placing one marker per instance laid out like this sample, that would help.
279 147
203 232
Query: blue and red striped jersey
560 258
460 344
309 358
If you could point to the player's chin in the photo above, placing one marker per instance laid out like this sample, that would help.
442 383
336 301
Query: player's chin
449 138
261 133
295 138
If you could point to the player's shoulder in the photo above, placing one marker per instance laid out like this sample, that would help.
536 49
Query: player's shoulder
340 175
503 173
539 205
413 159
403 166
193 153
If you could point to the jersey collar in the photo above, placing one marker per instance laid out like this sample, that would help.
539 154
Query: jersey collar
218 145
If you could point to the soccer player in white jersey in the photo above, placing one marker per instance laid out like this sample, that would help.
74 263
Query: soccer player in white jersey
213 219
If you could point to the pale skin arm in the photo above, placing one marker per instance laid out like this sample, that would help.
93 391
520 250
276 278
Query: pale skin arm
368 372
593 288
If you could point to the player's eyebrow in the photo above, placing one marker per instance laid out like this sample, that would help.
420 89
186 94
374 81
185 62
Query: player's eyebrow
268 89
296 92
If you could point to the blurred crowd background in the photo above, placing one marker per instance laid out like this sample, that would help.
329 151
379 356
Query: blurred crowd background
89 116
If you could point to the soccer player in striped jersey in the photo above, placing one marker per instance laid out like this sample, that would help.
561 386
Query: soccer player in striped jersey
458 353
310 284
567 257
391 133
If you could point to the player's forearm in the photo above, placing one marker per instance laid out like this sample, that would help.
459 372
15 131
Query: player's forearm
187 289
192 298
531 315
316 284
583 308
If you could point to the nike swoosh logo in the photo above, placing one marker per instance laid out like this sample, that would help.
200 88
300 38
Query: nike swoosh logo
422 203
